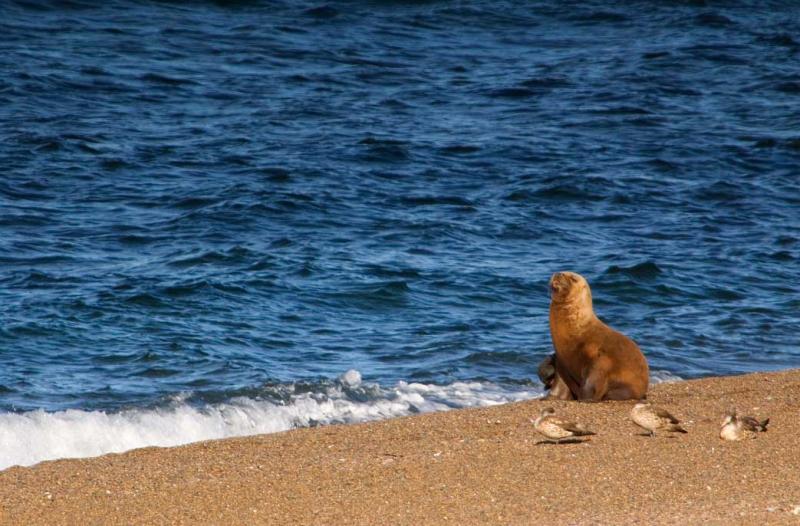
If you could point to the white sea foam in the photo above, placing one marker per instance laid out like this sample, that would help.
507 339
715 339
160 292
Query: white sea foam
28 438
32 437
663 377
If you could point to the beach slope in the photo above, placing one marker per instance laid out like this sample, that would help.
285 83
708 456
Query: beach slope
475 466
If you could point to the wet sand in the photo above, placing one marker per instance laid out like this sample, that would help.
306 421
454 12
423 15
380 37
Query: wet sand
475 466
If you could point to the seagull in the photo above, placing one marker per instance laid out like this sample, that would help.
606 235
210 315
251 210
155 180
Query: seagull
556 429
652 418
741 427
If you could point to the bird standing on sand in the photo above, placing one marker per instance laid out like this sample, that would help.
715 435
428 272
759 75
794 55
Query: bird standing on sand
741 427
652 418
556 429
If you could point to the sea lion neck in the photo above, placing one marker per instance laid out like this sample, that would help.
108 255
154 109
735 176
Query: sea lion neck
576 311
574 314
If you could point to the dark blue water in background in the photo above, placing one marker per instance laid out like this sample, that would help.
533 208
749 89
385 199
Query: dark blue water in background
213 197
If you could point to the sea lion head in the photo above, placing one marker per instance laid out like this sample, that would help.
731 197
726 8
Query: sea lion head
569 287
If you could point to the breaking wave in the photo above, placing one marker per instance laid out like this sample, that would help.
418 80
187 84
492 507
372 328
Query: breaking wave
35 436
31 437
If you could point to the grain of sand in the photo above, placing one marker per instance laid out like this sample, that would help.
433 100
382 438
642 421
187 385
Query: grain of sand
475 466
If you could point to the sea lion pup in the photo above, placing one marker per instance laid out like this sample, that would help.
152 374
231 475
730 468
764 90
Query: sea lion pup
592 361
652 418
557 429
547 374
547 371
741 427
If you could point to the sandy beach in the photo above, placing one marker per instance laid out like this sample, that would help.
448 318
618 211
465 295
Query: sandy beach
475 466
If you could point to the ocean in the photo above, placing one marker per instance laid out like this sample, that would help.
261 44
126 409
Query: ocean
236 217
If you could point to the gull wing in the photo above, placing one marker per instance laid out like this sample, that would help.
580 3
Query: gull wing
751 424
663 413
575 428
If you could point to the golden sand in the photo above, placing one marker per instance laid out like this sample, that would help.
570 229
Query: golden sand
476 466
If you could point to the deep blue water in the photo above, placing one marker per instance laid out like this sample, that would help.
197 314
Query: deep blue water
215 199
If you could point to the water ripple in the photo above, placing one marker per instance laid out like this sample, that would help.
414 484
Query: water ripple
215 196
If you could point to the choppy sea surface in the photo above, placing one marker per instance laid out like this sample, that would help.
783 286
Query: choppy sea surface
233 217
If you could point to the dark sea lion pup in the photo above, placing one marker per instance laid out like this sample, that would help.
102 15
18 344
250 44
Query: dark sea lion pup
547 374
592 360
547 371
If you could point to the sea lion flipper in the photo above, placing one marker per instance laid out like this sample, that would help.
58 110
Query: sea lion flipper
595 386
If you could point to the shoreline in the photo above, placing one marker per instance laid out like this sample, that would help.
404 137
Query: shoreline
466 466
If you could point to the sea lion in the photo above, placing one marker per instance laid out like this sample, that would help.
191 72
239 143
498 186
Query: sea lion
592 361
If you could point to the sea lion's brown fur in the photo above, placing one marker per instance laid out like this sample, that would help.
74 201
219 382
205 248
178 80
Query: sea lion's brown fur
592 360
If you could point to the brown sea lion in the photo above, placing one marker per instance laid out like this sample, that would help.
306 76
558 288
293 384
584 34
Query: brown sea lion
592 360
